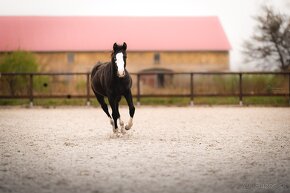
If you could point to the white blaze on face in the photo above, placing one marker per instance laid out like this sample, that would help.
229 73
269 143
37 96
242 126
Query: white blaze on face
120 63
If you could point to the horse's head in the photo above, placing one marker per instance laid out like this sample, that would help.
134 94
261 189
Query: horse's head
119 57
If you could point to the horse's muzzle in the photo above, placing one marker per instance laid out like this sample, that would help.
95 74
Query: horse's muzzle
121 75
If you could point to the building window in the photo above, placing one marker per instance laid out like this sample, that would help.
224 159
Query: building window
70 58
157 58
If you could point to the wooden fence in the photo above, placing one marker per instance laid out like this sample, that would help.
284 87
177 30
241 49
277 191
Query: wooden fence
30 78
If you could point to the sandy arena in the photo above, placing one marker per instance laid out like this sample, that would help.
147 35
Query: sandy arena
169 149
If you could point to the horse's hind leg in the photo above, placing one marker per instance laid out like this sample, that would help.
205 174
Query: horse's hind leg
104 106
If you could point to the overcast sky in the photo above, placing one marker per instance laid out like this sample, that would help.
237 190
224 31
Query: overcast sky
235 15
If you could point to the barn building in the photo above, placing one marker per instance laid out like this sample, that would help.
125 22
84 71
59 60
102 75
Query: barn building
75 44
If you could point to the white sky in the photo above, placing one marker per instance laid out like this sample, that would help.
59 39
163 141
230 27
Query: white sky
235 15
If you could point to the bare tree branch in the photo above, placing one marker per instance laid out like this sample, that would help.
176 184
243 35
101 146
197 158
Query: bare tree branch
269 46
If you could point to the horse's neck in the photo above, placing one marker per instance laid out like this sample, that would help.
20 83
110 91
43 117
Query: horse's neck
110 67
110 71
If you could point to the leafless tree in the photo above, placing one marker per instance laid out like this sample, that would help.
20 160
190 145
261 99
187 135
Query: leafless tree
269 46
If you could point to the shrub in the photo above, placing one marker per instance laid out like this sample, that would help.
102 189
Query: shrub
18 61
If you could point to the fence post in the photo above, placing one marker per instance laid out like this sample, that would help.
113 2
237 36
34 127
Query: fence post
31 90
138 89
88 89
191 90
241 88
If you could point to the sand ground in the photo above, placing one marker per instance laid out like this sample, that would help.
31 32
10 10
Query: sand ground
169 149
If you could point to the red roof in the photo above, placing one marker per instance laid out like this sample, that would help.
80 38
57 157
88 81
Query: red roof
74 33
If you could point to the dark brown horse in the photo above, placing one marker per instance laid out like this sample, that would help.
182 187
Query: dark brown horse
112 80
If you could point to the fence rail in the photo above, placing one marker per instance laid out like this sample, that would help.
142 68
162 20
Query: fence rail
138 76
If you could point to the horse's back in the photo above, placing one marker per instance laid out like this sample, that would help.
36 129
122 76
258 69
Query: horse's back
95 68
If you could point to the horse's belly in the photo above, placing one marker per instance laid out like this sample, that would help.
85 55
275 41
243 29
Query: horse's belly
98 88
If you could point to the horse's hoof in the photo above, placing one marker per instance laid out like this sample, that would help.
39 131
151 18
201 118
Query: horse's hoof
129 124
115 130
127 127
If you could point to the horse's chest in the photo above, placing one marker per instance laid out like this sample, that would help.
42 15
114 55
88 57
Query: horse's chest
121 88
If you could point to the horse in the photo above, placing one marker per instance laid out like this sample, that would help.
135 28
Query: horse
112 80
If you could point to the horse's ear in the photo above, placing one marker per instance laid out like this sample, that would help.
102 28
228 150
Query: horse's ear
124 45
115 46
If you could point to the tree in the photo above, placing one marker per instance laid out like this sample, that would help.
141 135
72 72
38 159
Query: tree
269 46
18 61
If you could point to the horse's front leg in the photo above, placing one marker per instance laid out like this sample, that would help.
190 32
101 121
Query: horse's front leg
129 100
120 122
113 104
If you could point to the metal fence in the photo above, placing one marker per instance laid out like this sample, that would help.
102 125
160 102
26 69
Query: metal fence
154 84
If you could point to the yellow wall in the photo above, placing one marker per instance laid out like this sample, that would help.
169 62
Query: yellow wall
136 61
180 61
58 61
